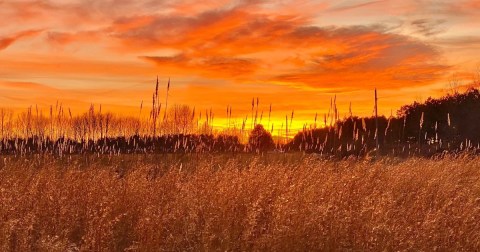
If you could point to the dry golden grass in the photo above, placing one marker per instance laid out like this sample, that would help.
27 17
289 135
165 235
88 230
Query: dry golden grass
203 203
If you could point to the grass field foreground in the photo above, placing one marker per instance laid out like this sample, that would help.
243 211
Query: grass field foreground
244 202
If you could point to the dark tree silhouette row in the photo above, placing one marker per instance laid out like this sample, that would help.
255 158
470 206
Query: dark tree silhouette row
120 145
447 124
259 141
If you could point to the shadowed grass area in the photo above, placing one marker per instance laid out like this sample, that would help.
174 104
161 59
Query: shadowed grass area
238 202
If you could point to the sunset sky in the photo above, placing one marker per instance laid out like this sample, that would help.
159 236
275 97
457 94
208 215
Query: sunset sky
295 55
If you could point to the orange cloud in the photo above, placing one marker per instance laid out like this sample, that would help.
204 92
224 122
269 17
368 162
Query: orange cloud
330 56
64 38
65 66
20 95
215 67
7 41
15 85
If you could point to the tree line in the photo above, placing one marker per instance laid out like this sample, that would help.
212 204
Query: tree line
438 125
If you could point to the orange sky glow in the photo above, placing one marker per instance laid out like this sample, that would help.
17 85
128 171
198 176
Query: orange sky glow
295 55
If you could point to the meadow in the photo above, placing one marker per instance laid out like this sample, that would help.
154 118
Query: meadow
225 202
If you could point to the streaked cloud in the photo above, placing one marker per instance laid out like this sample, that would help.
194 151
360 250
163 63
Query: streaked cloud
428 27
10 39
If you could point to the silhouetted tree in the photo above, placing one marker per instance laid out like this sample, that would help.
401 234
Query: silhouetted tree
260 140
179 120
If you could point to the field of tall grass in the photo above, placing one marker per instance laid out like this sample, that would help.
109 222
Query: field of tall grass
280 202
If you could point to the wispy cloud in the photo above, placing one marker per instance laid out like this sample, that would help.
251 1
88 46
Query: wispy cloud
428 27
8 40
354 5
